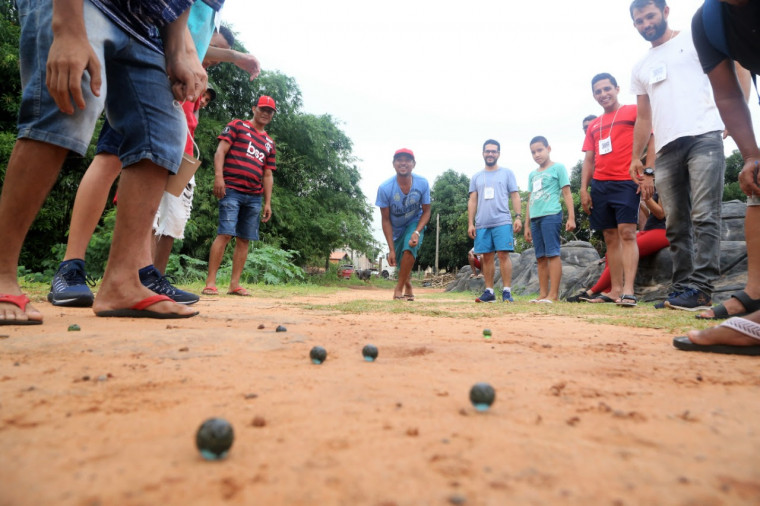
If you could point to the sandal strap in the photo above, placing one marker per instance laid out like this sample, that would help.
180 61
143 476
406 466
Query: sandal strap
743 326
750 305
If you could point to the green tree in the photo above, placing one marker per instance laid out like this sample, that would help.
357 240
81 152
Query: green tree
731 188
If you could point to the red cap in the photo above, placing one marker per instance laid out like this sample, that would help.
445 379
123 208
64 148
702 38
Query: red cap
266 101
403 151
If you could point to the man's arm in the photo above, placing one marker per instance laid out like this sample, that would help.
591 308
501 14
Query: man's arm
69 56
267 182
385 214
424 219
472 207
587 172
526 229
219 156
186 74
245 61
642 131
731 103
570 225
517 208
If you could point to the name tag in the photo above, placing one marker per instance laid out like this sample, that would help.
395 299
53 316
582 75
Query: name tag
605 146
537 184
488 193
659 73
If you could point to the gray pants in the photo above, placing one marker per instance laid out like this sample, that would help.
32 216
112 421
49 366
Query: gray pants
690 172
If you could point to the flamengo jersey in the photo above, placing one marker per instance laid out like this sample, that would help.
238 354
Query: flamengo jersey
250 153
613 166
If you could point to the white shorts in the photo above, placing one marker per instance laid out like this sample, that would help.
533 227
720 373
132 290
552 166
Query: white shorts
173 213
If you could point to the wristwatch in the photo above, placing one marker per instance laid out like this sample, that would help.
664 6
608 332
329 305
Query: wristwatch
649 171
518 215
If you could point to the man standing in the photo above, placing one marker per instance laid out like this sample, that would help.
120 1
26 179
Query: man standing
613 204
404 202
675 101
243 165
489 220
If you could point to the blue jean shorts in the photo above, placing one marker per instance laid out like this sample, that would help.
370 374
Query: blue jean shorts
488 240
239 215
615 202
138 101
546 231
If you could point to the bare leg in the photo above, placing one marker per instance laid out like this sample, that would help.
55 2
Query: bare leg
555 276
32 170
90 202
488 268
140 191
163 249
215 258
543 277
404 273
505 266
725 335
239 256
614 261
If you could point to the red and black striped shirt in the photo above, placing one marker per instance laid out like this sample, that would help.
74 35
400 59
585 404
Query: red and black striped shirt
250 153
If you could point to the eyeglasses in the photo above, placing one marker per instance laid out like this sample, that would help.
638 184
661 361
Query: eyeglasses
490 152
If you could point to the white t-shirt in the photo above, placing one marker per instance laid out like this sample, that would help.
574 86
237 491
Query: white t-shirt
678 89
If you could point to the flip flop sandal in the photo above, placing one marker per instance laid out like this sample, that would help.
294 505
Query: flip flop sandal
21 302
139 310
632 301
741 325
578 297
601 299
239 291
721 313
409 298
210 290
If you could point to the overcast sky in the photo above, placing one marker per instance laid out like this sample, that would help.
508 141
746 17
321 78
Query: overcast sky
442 77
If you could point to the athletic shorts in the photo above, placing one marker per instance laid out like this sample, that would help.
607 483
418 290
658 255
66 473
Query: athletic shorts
239 215
614 202
402 243
173 212
546 232
489 240
138 102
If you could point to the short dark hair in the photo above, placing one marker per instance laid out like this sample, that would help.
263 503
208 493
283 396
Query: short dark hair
491 141
640 4
602 77
541 139
590 117
227 34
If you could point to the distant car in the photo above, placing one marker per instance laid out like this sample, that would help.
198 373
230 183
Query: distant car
345 271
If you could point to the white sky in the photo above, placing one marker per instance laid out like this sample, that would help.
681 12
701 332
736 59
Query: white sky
442 77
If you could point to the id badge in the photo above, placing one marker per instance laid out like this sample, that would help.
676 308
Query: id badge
658 74
605 146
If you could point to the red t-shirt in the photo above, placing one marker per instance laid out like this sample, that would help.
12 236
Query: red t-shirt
250 153
613 166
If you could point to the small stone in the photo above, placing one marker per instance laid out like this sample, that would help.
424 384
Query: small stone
318 354
280 328
214 438
457 499
184 348
251 396
412 431
369 352
482 396
102 377
487 333
74 328
259 421
261 326
4 336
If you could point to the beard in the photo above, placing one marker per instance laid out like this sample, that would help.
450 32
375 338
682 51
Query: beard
491 163
659 31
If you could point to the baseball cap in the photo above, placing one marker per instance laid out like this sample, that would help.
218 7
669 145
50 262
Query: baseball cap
266 101
403 151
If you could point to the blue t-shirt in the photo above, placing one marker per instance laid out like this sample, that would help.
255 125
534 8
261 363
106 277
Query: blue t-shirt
545 187
404 209
493 205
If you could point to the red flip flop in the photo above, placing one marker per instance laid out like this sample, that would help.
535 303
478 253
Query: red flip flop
240 291
21 302
139 311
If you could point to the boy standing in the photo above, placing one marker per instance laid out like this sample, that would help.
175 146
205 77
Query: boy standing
544 213
489 220
404 203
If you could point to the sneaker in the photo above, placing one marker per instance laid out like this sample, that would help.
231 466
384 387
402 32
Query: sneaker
690 300
486 297
506 296
69 286
152 279
671 295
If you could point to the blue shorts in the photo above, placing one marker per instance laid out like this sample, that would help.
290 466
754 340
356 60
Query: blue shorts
108 140
402 243
239 215
615 202
545 231
488 240
138 102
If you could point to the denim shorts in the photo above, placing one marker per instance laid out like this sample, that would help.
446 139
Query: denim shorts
239 215
545 231
402 243
138 102
615 202
488 240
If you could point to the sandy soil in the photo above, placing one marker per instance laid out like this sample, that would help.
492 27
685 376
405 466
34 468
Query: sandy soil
585 413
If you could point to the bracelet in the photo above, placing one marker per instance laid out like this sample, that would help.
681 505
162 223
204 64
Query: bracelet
416 232
518 215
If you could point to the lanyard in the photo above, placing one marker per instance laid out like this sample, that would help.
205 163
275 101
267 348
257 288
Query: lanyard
611 125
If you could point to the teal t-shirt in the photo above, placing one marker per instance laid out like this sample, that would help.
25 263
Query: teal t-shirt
545 187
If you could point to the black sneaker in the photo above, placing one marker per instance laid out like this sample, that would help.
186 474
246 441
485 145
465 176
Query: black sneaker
152 279
69 286
690 300
671 295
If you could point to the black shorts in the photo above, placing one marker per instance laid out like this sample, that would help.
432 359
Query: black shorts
614 202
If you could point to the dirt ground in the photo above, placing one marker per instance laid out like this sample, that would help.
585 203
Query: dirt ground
585 413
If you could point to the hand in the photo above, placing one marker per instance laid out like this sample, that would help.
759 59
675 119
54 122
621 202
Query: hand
586 202
219 190
69 56
392 258
187 76
414 240
471 232
266 213
570 225
249 63
517 225
527 234
748 177
646 187
637 171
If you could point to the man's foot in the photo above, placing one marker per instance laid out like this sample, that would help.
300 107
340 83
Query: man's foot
690 300
739 304
69 286
672 295
506 296
736 336
487 296
152 279
15 310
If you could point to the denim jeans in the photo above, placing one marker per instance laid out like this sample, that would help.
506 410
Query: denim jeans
689 179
